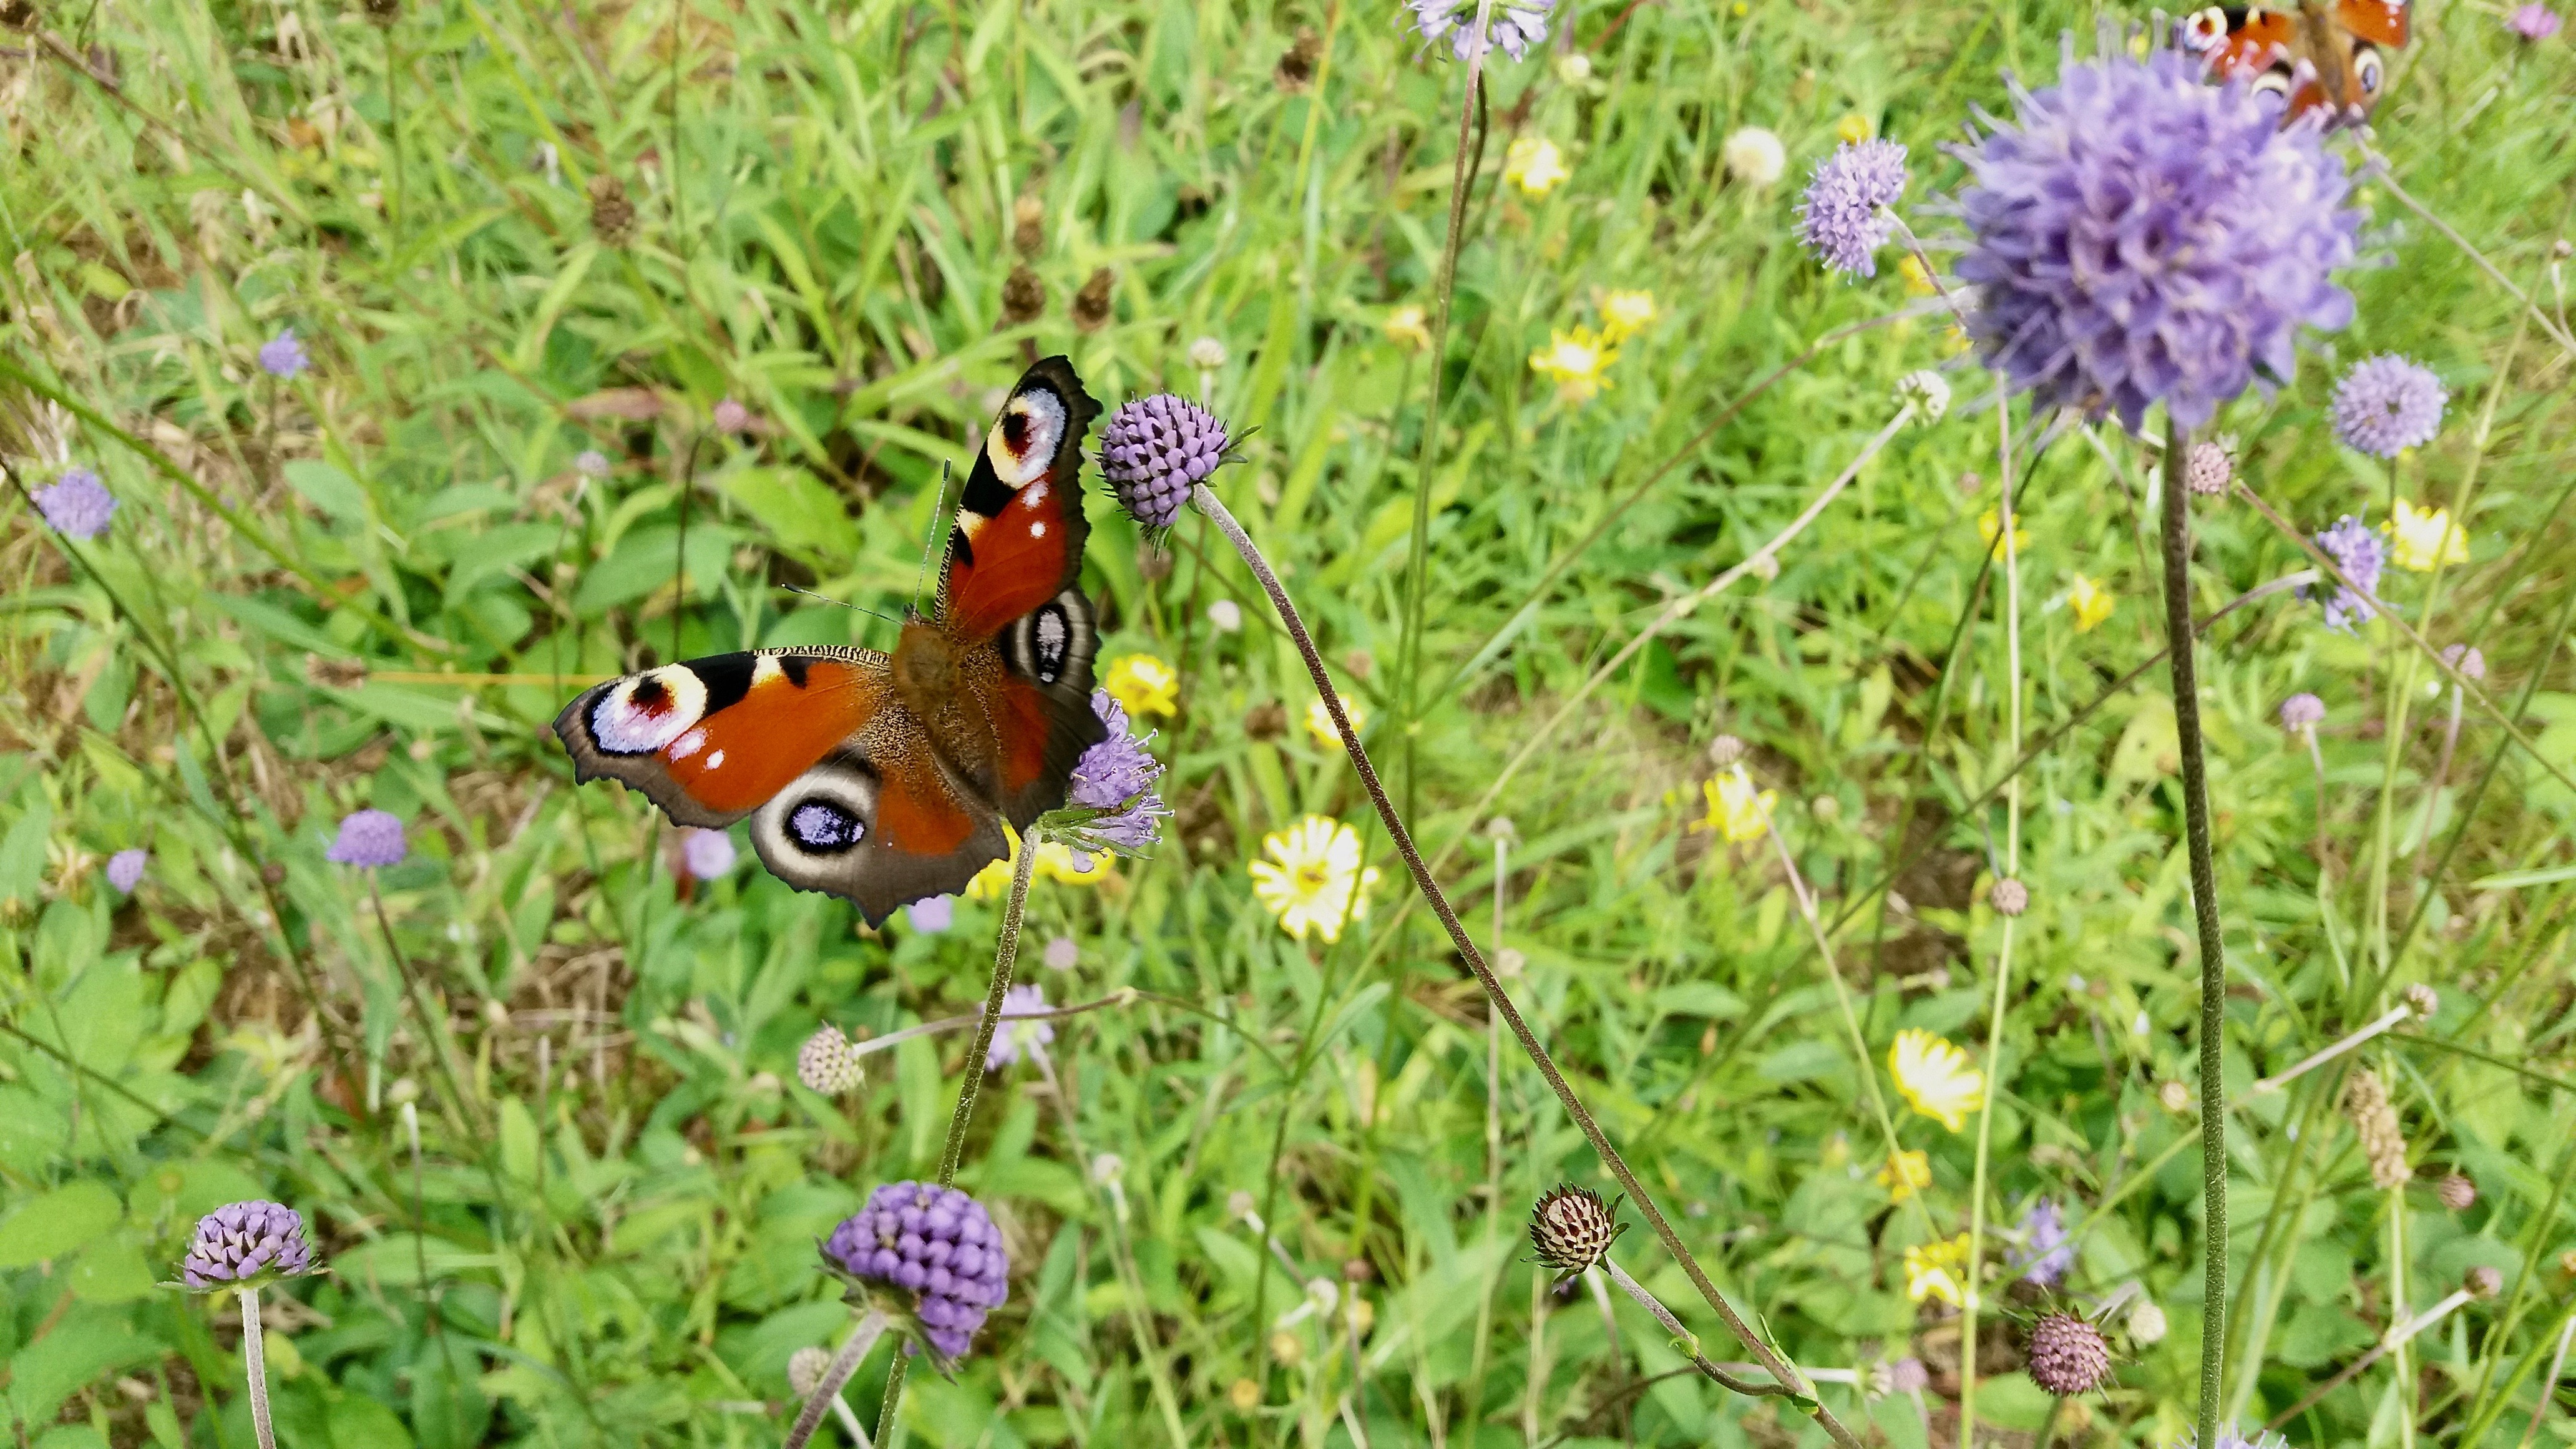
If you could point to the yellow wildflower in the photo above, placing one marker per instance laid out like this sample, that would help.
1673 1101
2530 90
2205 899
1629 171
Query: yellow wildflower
1735 808
1905 1174
1936 1078
1313 880
1058 862
1408 328
1990 526
1625 314
2420 540
1935 1270
1319 722
1533 164
1855 128
1576 361
2089 602
1918 282
1144 684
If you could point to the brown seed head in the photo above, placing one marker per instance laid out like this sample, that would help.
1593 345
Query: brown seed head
1023 296
1028 226
2010 897
612 216
1091 304
2067 1355
2458 1193
1297 67
1571 1228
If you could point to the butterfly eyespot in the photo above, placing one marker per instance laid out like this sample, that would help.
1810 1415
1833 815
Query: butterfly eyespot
823 827
1023 441
2273 83
641 715
2368 71
2205 30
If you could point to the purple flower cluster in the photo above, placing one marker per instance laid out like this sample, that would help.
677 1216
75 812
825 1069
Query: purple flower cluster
707 853
283 356
2044 1228
2141 236
2302 711
78 505
369 837
1009 1041
2360 554
125 868
1512 28
2388 404
1113 772
243 1241
1154 450
2532 22
936 1243
1844 216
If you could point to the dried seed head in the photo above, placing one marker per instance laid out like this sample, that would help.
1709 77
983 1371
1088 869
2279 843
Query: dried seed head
1023 296
2423 1000
1207 354
2483 1282
826 1063
1028 226
805 1370
2067 1355
2383 1141
1091 304
1297 66
612 216
1725 752
1571 1228
2010 897
2458 1193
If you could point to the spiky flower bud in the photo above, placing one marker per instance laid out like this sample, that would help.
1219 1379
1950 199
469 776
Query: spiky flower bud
1725 752
1155 450
1571 1228
2067 1355
937 1244
2010 897
805 1370
2383 1141
241 1244
826 1063
612 216
2458 1192
2208 468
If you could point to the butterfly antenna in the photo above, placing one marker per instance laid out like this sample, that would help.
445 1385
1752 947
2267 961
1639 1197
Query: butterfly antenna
844 603
938 510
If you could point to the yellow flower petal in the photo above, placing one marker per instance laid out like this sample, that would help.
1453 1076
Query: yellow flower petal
1905 1174
1735 809
1319 722
1143 684
1990 526
1313 880
1624 314
1408 328
2422 540
1937 1270
2089 602
1936 1078
1576 360
1533 164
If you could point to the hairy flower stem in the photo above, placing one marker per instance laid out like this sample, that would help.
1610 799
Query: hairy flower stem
1779 1368
1683 1337
1005 954
2204 908
827 1390
255 1366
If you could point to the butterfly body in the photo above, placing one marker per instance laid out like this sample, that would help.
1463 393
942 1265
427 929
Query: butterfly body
2319 56
887 778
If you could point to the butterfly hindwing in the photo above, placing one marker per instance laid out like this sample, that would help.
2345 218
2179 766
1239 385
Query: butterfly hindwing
879 822
710 740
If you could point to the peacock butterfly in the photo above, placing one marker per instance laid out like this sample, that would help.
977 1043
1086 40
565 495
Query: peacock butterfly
2317 55
887 778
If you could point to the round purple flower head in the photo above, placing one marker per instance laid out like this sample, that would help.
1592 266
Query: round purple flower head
243 1242
1154 450
369 837
125 868
1512 27
283 356
2386 405
707 853
937 1244
1844 216
1113 772
78 505
2359 553
2302 711
1030 1036
2045 1229
2141 236
931 914
2532 22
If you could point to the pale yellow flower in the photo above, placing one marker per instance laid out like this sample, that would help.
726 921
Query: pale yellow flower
1855 128
1735 808
1936 1270
1144 684
1625 314
2089 602
1905 1174
1060 863
1313 880
1533 164
2422 540
1990 526
1936 1078
1575 360
1408 328
1319 722
1917 281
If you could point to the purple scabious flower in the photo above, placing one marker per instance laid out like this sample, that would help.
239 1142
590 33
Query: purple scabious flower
125 868
242 1242
2141 236
2044 1229
2360 554
931 914
731 416
1029 1036
707 853
283 356
1512 27
1844 216
78 505
2532 22
1155 450
1113 772
2388 404
369 837
2302 711
937 1244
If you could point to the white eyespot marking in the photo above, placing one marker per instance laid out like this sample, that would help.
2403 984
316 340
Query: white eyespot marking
1024 437
970 523
688 744
1038 529
641 715
764 669
2368 70
2272 83
2205 30
716 760
822 815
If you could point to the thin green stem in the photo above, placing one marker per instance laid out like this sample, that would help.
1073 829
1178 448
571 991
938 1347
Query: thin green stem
255 1367
827 1390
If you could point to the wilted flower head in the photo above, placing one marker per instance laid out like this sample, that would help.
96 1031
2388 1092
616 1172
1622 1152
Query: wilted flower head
2067 1355
77 505
283 356
1011 1038
125 869
1114 772
805 1368
1843 217
937 1244
2387 404
1754 156
707 853
2532 22
2358 553
826 1063
2302 711
241 1243
2044 1229
1154 450
2141 236
1571 1228
368 838
1512 26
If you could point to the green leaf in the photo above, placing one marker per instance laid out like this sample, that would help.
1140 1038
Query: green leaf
360 1422
327 488
56 1223
87 1345
112 1271
798 510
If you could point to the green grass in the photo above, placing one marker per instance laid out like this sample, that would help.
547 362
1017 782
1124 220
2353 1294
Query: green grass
607 1236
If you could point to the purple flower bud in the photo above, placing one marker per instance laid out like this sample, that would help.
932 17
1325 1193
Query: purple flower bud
731 416
2302 712
78 505
1155 450
1008 1042
931 914
2359 553
243 1242
2387 404
283 356
367 838
125 869
2068 1355
1113 772
2532 22
707 853
1844 214
590 463
955 1285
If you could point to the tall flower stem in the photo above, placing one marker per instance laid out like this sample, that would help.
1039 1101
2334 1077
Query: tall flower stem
1779 1368
1672 1325
2204 908
1006 954
255 1365
827 1390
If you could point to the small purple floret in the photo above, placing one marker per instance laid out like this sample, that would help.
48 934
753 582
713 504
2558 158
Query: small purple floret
931 914
2388 404
935 1242
125 868
1512 26
78 505
1844 217
707 853
1114 771
1154 450
2045 1229
283 356
369 837
2360 553
2302 711
246 1240
2534 23
1008 1040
